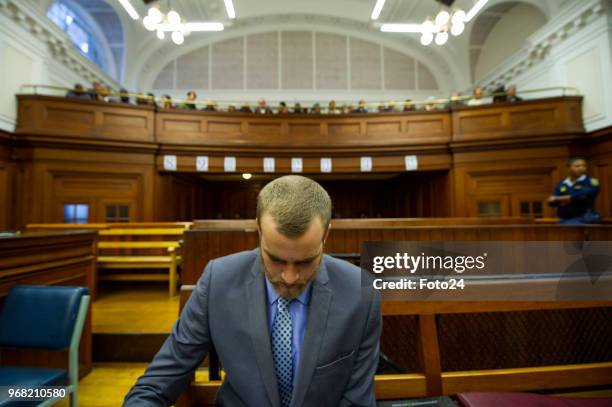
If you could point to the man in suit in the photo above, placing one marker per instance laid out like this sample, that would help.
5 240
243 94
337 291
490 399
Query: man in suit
291 326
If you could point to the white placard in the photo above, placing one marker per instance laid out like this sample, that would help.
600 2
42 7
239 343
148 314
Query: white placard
366 164
326 164
411 162
268 164
229 164
170 162
202 163
296 164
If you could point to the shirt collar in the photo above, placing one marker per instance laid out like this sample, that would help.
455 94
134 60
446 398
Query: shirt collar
569 183
304 298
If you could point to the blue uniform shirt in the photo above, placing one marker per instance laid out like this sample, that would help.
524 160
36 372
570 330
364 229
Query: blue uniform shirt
583 193
298 309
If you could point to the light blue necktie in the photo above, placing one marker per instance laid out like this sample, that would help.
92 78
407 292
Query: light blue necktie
281 351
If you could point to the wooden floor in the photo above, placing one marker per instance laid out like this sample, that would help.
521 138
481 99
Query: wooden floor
146 309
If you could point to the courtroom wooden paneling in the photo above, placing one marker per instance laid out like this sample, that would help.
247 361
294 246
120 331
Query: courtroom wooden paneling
598 152
236 129
459 166
347 164
55 176
50 258
509 176
529 119
7 183
84 119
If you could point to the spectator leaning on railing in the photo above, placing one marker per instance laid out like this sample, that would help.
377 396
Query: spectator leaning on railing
100 92
78 92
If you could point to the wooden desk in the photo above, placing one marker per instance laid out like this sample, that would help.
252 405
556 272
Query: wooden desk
50 258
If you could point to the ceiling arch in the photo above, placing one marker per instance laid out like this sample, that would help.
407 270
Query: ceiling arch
527 16
156 55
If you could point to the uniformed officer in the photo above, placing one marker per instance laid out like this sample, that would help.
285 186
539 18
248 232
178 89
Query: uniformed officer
574 197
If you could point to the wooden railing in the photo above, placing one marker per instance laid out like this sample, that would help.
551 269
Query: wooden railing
81 119
209 239
432 380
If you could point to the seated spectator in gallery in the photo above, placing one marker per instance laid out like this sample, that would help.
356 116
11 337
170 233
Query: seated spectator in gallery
99 92
381 108
361 107
409 106
190 103
347 109
124 96
282 108
231 109
297 108
315 109
210 106
262 107
142 99
78 92
499 94
455 100
431 104
166 102
332 108
478 97
245 108
509 95
574 197
390 107
151 99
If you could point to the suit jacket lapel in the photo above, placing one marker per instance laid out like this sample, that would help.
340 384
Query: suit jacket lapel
260 334
320 301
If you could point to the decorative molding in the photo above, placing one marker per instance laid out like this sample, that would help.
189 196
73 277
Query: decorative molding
539 45
57 42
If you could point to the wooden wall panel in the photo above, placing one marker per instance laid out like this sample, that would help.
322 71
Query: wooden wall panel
554 116
7 183
509 176
54 177
599 155
389 129
84 119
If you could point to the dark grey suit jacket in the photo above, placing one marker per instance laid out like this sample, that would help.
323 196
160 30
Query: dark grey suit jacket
228 309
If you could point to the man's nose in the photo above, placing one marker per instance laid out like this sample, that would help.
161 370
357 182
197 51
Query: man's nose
290 274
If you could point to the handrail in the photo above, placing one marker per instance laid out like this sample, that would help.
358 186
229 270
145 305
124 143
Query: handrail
565 90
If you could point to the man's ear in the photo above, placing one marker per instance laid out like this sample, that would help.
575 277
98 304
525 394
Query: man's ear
258 228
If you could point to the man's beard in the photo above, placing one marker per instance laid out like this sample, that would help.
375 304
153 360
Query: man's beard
281 288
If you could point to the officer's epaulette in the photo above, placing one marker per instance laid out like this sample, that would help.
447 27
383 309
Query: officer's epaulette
594 181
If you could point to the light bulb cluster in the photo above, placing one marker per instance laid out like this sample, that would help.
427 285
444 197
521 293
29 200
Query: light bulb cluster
437 30
155 20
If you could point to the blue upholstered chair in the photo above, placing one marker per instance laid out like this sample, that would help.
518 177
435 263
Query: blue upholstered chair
45 318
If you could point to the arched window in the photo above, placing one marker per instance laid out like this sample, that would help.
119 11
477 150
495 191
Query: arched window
83 38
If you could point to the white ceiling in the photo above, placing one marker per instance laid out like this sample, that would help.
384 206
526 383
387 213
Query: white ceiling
146 56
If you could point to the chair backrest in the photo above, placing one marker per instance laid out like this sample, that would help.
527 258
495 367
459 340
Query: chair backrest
40 317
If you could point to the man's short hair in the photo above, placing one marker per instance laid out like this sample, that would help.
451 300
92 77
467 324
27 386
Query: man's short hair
570 161
293 202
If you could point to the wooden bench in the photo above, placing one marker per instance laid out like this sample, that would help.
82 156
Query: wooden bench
134 246
432 380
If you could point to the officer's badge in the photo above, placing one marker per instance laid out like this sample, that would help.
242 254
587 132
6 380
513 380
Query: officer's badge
594 182
563 188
